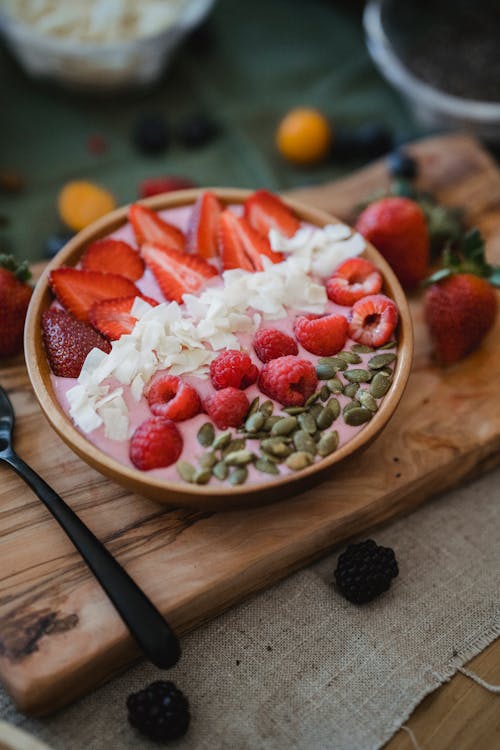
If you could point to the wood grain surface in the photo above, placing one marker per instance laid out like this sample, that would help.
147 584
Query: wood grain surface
59 636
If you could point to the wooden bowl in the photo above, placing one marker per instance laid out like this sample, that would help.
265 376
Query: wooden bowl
181 493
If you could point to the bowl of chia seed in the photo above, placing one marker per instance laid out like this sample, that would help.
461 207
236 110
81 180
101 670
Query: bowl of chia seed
442 56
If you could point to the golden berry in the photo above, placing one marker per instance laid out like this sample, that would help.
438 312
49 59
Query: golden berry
304 136
80 203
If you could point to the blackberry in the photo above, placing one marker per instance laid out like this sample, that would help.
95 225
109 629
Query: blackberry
151 133
196 130
364 571
401 164
160 711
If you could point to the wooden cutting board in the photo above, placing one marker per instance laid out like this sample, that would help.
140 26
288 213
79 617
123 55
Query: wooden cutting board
59 635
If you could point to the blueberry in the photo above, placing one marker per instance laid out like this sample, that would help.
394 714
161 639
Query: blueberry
151 133
374 139
196 130
401 164
56 242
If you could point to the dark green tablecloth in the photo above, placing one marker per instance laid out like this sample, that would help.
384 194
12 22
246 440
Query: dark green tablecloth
263 58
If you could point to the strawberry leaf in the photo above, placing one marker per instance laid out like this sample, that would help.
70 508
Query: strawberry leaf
443 273
20 270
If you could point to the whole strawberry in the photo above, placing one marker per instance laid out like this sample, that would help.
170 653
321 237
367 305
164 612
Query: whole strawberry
460 310
461 304
398 229
15 295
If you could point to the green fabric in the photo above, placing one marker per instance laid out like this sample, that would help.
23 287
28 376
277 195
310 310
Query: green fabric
267 56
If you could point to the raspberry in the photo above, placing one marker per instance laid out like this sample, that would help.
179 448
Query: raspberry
67 342
232 369
373 320
365 570
353 279
156 443
160 711
289 380
227 407
321 334
269 343
170 397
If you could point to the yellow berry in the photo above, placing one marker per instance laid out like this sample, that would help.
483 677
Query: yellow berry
304 136
80 203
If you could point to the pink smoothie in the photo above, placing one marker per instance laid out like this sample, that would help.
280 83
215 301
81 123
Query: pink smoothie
192 450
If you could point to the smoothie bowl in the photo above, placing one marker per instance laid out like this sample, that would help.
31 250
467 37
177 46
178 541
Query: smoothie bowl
218 348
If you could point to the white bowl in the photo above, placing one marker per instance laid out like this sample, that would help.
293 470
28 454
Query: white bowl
100 66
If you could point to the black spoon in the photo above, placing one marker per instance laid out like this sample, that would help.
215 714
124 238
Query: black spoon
148 627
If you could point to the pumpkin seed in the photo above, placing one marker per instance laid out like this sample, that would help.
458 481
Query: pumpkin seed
350 357
358 415
254 406
254 435
239 458
324 418
325 371
267 467
299 460
270 422
220 470
254 422
266 408
324 393
185 470
350 405
312 399
239 475
350 390
358 376
334 385
381 360
207 460
284 426
307 423
380 385
336 362
222 440
362 348
334 407
315 410
236 444
366 400
203 476
294 410
304 442
206 434
388 345
277 446
328 443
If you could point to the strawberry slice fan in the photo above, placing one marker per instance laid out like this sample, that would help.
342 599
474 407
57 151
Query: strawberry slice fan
176 273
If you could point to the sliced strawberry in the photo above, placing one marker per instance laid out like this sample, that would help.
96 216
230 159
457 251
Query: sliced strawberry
241 245
203 226
166 184
265 211
112 316
373 320
176 273
109 256
77 289
67 342
149 227
352 280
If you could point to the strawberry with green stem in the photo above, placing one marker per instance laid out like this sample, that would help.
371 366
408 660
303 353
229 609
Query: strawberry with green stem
15 295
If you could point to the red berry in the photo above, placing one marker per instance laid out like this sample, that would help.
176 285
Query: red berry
353 279
77 289
321 334
113 256
157 185
203 227
373 320
265 211
241 246
67 342
397 227
15 295
156 443
96 144
169 396
148 226
112 317
177 273
232 369
227 407
289 380
269 343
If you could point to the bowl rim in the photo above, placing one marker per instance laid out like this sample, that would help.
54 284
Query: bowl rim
383 54
179 492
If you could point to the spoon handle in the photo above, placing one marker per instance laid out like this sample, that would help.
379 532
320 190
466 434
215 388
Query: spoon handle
146 624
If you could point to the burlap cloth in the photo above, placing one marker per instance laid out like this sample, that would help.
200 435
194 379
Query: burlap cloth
298 667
